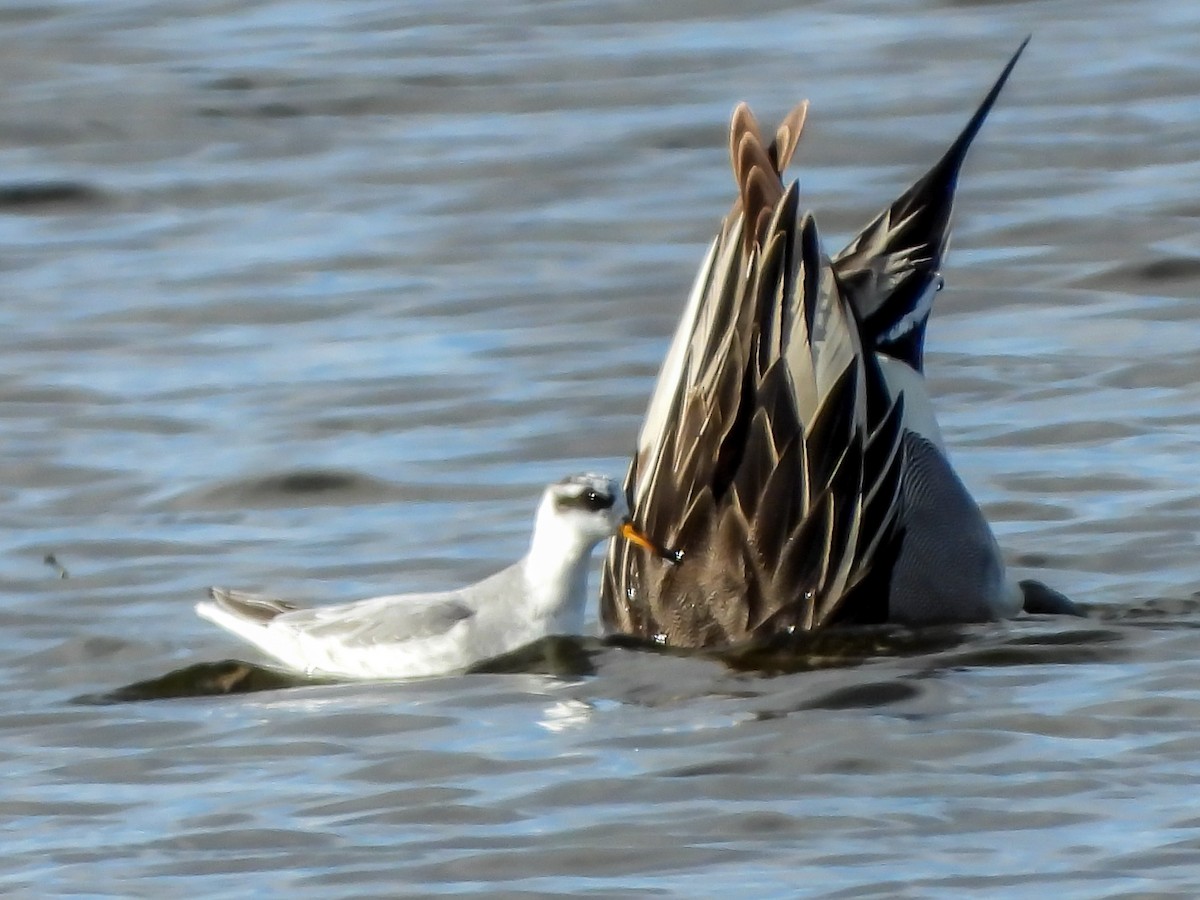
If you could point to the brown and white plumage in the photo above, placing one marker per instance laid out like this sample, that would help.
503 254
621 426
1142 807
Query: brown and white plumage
770 452
790 449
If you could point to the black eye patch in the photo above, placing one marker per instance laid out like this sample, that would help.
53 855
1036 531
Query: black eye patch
591 500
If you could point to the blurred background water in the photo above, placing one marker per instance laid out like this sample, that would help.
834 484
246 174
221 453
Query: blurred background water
316 297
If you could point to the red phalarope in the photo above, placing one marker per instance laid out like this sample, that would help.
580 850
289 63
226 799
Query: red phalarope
790 448
406 635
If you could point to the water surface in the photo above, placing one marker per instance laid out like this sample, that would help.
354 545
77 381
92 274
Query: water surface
316 297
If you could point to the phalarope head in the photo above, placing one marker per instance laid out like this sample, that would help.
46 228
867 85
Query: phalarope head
594 507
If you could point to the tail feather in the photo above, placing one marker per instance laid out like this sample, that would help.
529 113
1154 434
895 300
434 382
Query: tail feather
248 616
892 269
256 607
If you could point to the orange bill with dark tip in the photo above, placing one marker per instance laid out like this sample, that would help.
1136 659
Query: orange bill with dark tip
635 536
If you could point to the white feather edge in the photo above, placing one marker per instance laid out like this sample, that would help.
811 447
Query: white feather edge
666 386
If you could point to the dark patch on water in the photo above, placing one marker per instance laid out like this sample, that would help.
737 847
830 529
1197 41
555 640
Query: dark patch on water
866 696
1177 268
303 487
269 110
32 196
229 676
1079 647
233 83
311 482
837 647
558 655
1175 611
713 768
563 657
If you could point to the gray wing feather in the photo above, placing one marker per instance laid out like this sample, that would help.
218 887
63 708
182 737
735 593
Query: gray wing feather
254 607
384 620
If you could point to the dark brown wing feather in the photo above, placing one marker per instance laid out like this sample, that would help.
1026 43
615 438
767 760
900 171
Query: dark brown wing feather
767 456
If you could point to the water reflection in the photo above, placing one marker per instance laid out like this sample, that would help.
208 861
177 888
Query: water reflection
1031 642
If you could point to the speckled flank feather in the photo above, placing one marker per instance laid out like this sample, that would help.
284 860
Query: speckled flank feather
949 566
770 455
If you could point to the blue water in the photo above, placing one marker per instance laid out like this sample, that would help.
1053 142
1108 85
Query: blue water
325 293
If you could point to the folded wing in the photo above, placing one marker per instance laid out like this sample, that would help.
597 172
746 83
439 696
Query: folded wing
769 454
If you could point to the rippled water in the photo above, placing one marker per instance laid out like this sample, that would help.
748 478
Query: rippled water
315 297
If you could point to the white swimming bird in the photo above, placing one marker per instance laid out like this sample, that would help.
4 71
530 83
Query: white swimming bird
408 635
790 451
